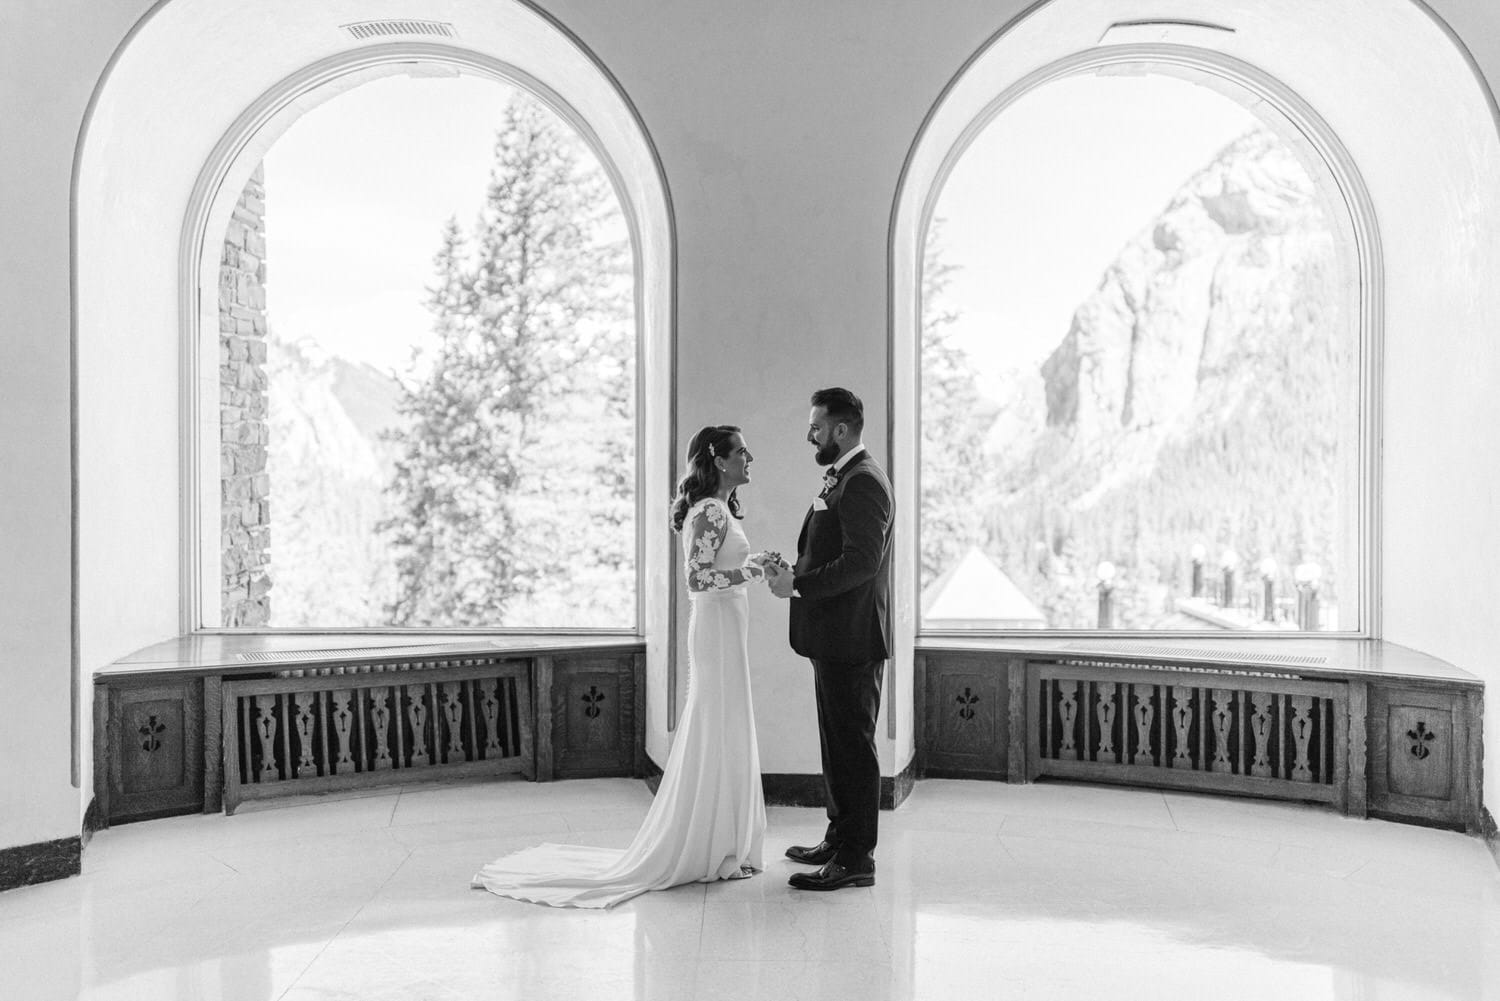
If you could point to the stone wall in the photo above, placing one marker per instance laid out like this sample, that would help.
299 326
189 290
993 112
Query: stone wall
244 433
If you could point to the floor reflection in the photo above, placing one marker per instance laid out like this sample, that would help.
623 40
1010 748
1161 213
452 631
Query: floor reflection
983 890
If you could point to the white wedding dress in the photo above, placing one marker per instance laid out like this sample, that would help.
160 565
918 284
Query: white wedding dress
708 819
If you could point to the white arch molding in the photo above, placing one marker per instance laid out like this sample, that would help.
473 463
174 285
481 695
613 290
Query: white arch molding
190 101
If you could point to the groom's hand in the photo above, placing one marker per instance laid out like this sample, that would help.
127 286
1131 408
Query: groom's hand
779 580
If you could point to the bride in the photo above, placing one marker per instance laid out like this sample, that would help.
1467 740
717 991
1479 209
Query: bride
708 819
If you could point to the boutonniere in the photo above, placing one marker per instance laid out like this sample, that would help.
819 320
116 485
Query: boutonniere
830 480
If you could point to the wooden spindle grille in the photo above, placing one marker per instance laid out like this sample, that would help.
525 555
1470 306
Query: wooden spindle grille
1267 735
317 730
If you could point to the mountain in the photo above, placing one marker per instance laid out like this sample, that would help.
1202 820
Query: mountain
1200 395
367 395
328 468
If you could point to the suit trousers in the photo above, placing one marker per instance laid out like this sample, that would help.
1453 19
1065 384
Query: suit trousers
848 704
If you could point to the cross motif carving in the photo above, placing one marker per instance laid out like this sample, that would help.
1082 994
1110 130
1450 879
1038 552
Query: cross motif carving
150 730
1420 738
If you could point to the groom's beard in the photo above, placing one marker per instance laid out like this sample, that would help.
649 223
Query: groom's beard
826 454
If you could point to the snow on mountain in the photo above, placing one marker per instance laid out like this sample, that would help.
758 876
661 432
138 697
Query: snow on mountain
328 468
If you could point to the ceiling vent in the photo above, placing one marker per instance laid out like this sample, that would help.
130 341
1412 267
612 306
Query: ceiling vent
339 653
1200 653
362 30
1165 30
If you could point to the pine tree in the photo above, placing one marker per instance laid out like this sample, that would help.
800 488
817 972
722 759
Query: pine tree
509 428
955 475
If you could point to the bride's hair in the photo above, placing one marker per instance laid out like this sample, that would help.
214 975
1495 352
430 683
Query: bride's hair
702 479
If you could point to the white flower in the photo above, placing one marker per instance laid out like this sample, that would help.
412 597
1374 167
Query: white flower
705 546
715 514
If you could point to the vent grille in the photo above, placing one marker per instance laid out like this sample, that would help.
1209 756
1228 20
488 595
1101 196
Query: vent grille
1191 653
347 653
1170 22
362 30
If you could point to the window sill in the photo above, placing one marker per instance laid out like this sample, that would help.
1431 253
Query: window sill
1310 656
231 653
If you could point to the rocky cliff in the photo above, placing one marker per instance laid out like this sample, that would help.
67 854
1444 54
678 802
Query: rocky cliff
1200 394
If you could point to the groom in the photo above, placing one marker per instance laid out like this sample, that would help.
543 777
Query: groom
840 619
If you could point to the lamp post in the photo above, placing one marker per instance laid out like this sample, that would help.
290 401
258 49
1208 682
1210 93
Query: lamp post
1106 574
1307 576
1268 584
1200 552
1228 561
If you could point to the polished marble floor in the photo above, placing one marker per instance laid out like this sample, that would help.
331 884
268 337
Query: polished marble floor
984 890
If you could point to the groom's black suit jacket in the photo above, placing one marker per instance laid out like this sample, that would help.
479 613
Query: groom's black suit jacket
843 608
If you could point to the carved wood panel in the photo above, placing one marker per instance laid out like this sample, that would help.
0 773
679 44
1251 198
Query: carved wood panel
593 716
152 743
1400 748
289 735
153 736
1267 735
1419 751
966 717
1423 755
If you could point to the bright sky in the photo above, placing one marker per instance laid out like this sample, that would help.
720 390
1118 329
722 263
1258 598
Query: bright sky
1054 187
358 189
357 192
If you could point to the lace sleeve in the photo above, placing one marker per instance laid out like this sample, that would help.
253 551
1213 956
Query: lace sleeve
706 531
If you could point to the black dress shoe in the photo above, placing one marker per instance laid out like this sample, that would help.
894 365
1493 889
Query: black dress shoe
832 877
820 854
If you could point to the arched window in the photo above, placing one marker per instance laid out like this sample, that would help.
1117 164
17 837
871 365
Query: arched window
1145 358
154 195
427 357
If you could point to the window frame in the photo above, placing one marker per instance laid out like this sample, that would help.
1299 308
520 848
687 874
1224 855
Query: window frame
1319 147
214 195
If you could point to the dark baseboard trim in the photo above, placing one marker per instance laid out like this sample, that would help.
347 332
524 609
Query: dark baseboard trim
650 772
93 821
41 862
894 790
966 774
793 790
806 790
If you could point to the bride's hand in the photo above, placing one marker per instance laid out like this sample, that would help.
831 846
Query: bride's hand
769 558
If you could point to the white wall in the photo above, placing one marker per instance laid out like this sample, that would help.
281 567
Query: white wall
1442 427
51 54
782 127
783 149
